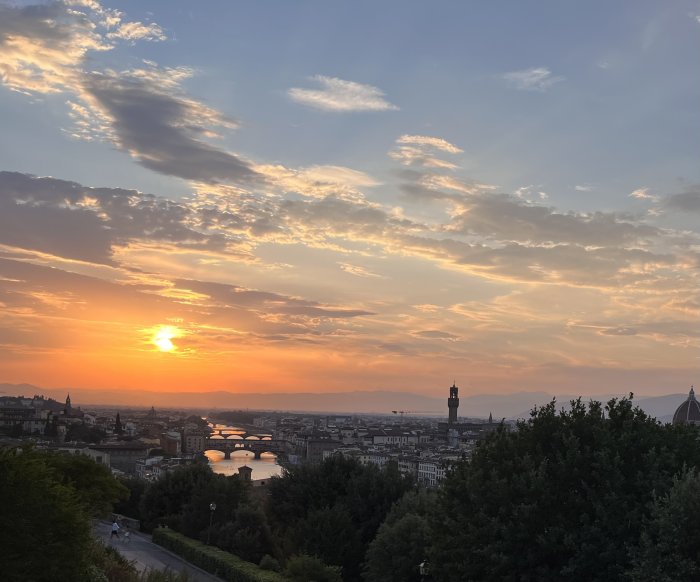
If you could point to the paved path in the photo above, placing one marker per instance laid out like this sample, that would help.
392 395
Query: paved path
147 555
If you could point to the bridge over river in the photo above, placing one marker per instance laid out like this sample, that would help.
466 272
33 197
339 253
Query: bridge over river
257 445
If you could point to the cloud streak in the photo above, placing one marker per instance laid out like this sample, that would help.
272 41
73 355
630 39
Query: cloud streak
338 95
533 79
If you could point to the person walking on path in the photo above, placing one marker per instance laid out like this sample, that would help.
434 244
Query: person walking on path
115 530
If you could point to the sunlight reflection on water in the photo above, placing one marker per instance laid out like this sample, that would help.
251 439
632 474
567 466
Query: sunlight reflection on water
263 468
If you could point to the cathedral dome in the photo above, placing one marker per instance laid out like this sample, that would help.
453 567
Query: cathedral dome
689 411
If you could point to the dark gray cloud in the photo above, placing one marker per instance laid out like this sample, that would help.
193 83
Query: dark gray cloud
33 216
688 201
231 295
162 129
501 217
564 264
74 221
435 334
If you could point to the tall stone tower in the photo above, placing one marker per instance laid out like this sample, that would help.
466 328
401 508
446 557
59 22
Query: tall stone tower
453 404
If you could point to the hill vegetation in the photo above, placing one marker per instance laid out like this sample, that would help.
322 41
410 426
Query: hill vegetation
592 492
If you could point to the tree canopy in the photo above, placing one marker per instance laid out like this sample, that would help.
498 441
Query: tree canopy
564 496
314 506
47 501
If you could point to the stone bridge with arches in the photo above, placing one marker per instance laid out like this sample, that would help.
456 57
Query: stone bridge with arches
230 443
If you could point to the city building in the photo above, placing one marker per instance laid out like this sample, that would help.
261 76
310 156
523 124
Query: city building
453 404
689 411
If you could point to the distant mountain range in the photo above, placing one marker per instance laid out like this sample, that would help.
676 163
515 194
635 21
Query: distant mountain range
509 406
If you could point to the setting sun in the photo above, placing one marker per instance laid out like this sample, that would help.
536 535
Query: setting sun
163 338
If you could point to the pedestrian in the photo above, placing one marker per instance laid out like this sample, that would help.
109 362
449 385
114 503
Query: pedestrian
127 534
115 530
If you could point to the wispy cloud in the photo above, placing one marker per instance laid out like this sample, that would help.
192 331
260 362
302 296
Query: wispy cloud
642 194
419 150
358 271
529 193
534 79
340 95
133 31
434 142
583 188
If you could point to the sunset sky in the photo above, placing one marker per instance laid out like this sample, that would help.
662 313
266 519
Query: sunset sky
328 196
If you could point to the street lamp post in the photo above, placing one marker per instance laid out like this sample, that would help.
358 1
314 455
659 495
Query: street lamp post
212 509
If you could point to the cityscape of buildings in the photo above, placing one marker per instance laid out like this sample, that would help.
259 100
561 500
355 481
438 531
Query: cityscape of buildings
148 443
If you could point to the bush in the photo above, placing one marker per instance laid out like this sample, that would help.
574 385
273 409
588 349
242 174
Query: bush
212 559
305 568
269 563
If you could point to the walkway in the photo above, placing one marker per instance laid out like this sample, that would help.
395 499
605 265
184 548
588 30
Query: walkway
147 555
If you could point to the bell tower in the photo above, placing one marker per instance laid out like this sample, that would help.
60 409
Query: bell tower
453 404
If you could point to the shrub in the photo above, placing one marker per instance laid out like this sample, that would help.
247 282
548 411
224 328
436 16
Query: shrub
269 563
212 559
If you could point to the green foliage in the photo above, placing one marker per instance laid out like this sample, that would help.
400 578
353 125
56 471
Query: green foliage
84 433
226 492
402 540
307 568
269 563
329 532
563 497
670 545
94 483
213 560
312 506
163 501
248 536
130 505
44 529
108 565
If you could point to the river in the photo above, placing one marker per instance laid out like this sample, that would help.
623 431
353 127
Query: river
263 468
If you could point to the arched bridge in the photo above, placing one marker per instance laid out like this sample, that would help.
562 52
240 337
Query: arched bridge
256 446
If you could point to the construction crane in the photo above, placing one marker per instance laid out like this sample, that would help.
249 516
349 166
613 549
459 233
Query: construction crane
402 412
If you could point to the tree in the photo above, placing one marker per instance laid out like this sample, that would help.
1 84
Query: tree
248 536
163 501
226 492
129 506
181 500
308 501
331 534
402 541
670 545
44 530
563 497
96 487
84 433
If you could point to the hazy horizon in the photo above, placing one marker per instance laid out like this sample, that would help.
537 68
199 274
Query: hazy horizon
388 403
311 196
